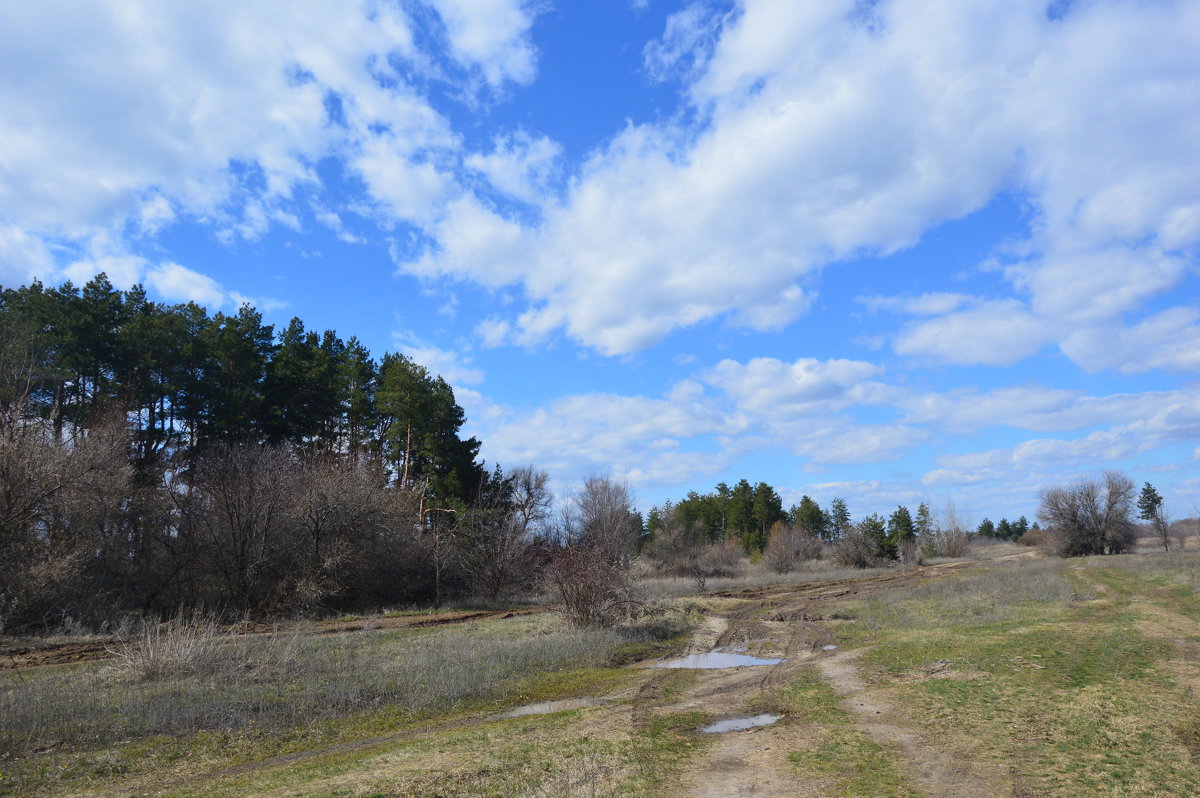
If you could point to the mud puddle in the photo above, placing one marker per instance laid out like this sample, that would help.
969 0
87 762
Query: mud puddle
740 724
550 707
715 659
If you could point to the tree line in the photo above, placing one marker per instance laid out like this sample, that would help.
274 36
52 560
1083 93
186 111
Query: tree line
157 459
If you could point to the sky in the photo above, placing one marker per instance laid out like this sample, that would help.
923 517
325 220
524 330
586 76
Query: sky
892 251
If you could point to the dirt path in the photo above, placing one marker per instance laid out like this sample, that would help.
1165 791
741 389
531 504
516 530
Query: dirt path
937 771
788 622
782 622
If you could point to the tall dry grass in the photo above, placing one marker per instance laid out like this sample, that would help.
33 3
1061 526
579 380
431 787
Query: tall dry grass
188 677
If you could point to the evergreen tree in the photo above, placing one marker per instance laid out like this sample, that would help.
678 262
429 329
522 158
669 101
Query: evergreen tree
839 518
767 508
874 528
809 518
1004 530
986 529
900 529
740 513
1149 503
924 522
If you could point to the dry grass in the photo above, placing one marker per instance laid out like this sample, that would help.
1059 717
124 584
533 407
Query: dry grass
191 677
757 575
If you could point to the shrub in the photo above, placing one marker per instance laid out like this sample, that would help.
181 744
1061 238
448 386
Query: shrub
858 548
1032 537
790 548
587 588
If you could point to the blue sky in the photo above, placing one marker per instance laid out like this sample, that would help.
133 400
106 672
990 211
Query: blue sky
890 251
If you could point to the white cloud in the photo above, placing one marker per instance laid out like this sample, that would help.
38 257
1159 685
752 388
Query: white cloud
492 35
824 135
931 304
648 441
1085 287
452 366
1169 339
519 165
769 387
493 332
150 112
686 43
995 333
1029 407
22 257
181 284
1172 422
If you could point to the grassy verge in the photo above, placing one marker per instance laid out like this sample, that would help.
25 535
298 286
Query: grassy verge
104 724
1061 672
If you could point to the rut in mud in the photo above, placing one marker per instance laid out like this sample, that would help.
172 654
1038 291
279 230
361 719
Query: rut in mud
789 623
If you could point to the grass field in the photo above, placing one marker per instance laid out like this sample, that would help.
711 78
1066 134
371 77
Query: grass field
1007 676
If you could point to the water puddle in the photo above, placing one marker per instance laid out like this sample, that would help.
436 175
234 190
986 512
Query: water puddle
829 648
740 724
715 659
550 707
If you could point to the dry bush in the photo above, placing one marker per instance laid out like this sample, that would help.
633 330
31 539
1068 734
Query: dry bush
909 552
280 680
946 543
587 588
788 549
856 549
1032 537
165 651
677 550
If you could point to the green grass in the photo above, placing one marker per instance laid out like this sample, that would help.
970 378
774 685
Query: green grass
1059 671
841 756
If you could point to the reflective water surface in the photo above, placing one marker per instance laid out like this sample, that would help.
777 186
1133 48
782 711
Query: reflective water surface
715 659
740 724
548 707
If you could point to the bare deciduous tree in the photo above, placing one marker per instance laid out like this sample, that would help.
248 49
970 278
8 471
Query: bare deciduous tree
236 507
1091 516
494 535
789 548
57 498
601 516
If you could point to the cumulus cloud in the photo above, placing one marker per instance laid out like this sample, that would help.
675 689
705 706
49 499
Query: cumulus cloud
1170 420
825 132
181 284
149 113
653 442
767 385
519 165
492 36
995 333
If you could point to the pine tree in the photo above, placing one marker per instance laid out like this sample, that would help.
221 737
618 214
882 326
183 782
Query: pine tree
810 519
924 522
900 529
839 518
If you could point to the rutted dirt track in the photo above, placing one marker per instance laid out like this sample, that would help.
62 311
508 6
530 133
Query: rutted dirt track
787 622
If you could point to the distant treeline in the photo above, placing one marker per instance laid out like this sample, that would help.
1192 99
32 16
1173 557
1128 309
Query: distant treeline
751 515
